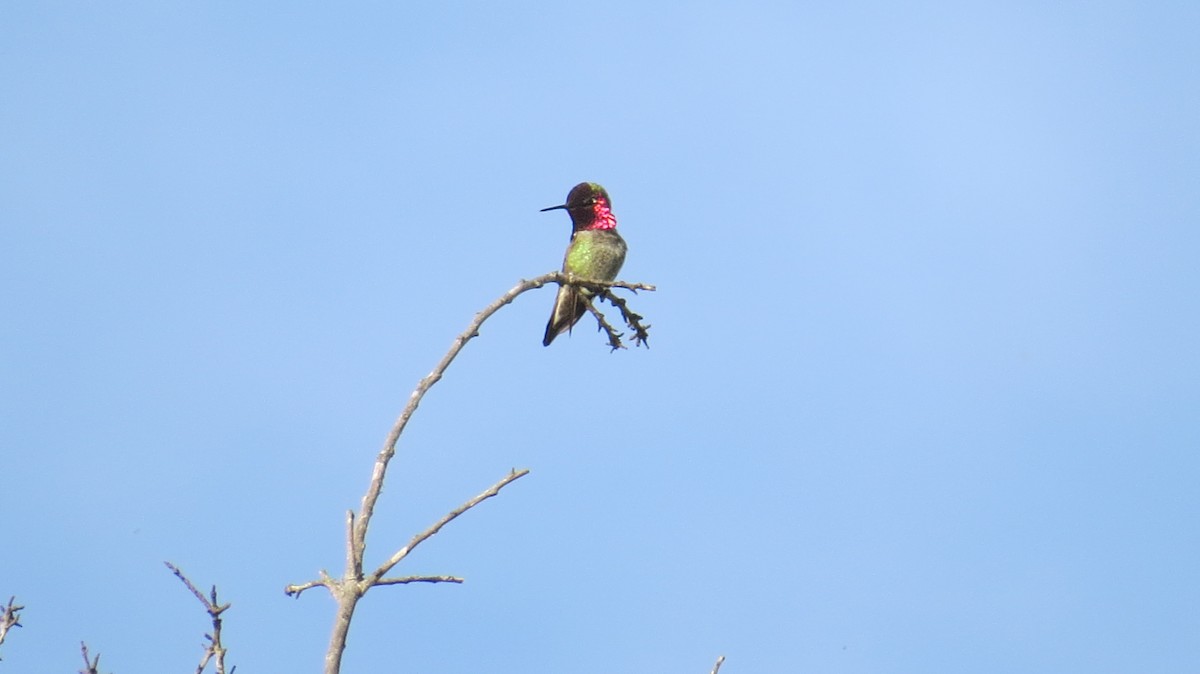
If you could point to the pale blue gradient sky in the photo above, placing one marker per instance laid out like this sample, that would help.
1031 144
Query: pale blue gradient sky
923 386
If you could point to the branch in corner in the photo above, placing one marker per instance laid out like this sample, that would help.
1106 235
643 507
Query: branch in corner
10 618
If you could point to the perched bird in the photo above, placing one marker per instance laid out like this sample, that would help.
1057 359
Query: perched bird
596 253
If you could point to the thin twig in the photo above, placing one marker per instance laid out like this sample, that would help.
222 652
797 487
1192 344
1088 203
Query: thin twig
214 650
419 579
614 337
91 666
353 561
295 590
597 286
449 517
720 661
188 584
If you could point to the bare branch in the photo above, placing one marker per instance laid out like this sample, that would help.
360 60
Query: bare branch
325 581
214 650
720 661
449 517
414 400
597 286
353 585
358 531
187 583
419 579
423 386
347 591
91 666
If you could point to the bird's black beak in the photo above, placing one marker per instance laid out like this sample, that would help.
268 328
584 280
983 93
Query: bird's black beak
554 208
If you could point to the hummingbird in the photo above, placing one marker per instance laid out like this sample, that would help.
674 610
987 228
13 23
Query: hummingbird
596 253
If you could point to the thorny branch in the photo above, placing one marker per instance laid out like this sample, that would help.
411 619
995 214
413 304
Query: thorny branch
214 650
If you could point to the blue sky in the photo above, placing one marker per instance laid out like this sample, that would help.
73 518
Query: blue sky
923 378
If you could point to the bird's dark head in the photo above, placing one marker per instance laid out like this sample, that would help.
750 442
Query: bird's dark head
589 207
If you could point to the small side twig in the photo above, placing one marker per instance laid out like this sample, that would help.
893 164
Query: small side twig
419 579
400 554
641 332
91 665
10 618
324 581
720 661
614 337
214 650
597 286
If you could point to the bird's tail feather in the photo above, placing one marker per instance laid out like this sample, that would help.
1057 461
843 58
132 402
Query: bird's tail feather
568 309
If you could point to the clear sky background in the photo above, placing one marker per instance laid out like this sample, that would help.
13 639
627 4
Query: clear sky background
924 371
